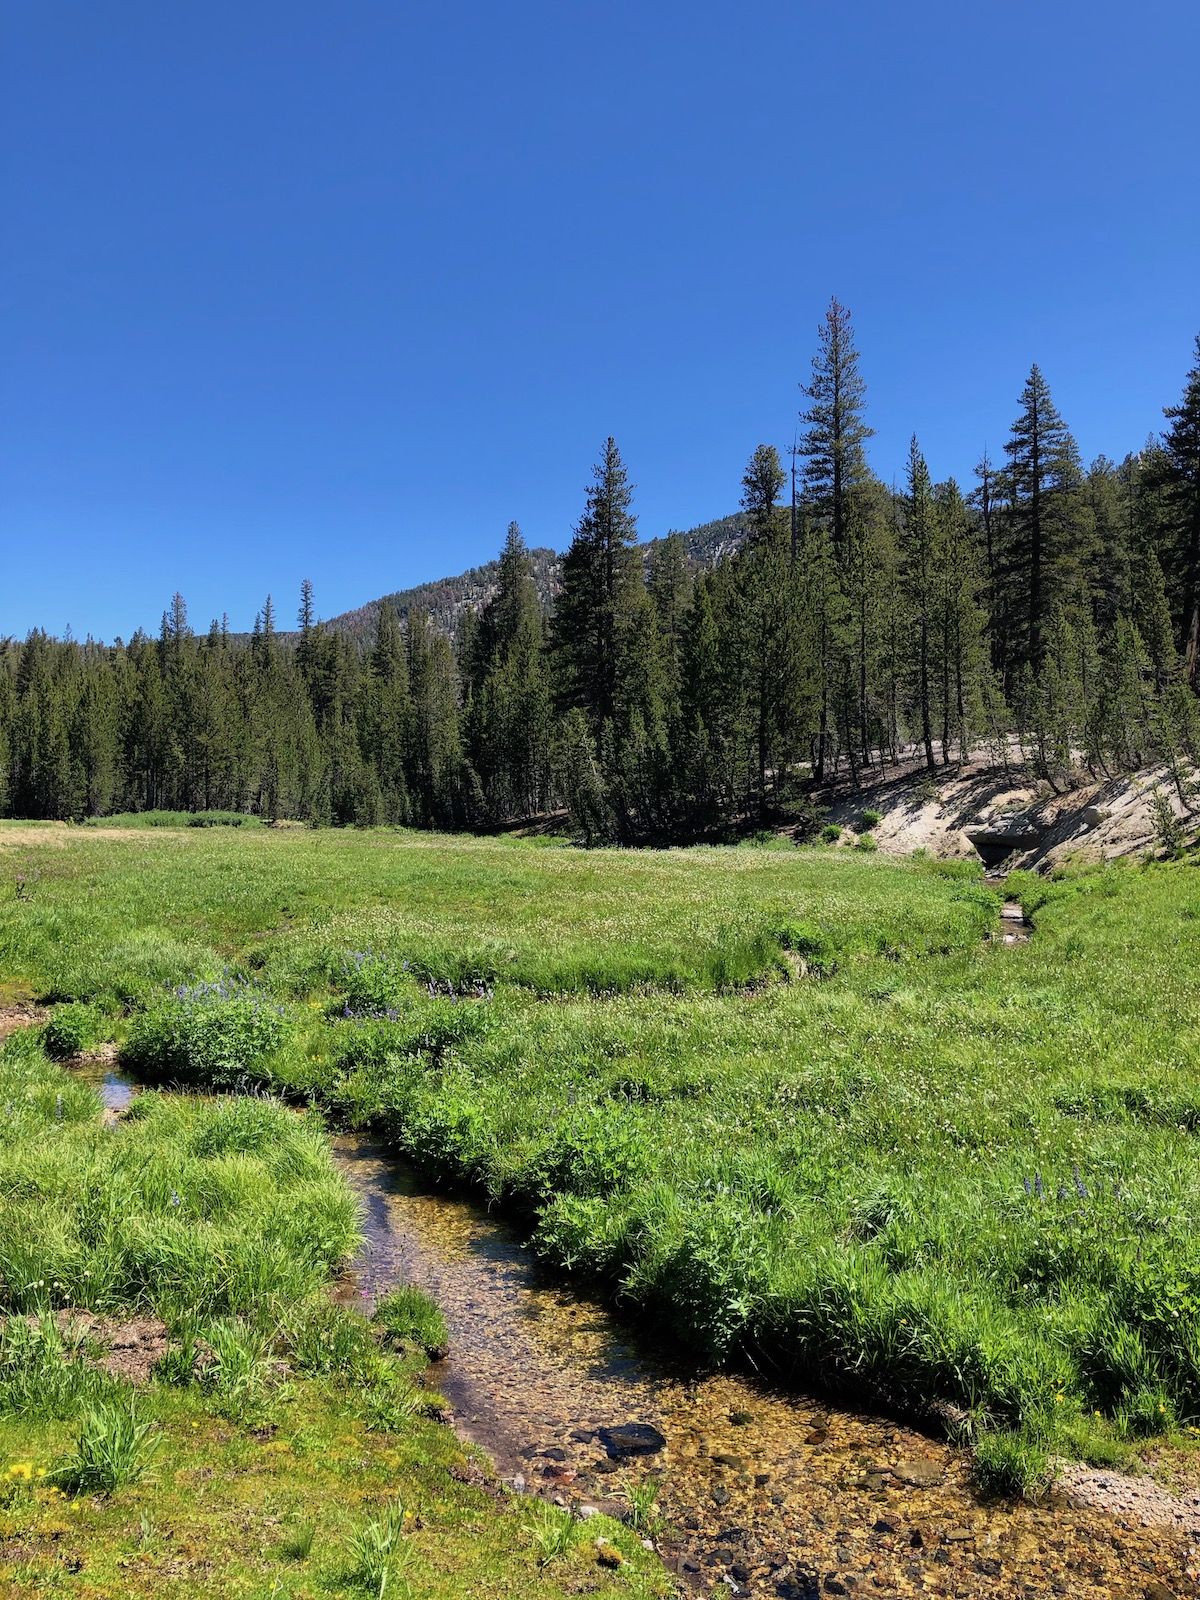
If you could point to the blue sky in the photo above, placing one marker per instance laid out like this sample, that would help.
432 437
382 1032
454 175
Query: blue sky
337 290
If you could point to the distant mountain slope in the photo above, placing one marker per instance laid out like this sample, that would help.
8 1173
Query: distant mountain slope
446 599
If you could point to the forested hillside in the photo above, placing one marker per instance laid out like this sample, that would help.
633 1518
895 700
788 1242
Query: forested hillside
677 689
447 600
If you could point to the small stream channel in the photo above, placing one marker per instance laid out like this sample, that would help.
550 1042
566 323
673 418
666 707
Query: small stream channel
762 1492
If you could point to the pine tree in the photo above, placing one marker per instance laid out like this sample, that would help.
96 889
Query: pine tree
600 578
834 442
833 448
917 575
508 721
384 721
769 630
435 761
1181 478
1047 547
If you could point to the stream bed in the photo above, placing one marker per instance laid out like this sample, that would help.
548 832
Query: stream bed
763 1492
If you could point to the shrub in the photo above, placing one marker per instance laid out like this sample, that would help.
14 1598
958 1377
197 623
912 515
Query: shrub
831 833
866 841
71 1030
869 819
407 1316
603 1150
1168 830
213 1033
113 1448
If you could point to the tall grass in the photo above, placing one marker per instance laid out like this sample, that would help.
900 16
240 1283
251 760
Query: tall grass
933 1169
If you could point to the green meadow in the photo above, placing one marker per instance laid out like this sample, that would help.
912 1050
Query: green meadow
798 1106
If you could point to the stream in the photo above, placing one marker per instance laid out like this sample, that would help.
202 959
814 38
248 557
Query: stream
763 1492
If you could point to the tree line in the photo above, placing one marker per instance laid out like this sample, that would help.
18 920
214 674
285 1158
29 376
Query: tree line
1046 612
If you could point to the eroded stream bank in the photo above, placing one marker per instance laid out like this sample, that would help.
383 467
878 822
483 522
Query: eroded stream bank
763 1493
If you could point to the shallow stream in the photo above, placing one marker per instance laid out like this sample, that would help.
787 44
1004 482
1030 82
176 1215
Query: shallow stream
762 1492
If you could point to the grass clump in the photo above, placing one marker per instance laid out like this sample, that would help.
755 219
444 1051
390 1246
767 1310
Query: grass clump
377 1551
297 1545
1010 1465
113 1448
408 1317
71 1031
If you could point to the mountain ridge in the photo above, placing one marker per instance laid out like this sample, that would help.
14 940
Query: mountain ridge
447 599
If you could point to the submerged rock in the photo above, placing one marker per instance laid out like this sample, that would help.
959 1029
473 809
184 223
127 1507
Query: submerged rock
921 1472
632 1439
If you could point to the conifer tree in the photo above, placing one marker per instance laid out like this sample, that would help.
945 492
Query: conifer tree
1045 546
1181 478
917 574
600 580
508 719
833 448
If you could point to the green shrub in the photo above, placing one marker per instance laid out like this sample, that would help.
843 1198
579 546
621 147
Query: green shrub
866 841
207 1033
831 833
407 1316
71 1030
868 820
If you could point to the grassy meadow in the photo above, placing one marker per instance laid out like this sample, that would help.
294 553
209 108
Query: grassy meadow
793 1105
250 1436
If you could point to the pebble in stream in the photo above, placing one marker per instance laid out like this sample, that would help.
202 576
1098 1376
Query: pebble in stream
764 1494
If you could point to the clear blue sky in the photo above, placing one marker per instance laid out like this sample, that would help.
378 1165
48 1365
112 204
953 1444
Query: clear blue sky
338 289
